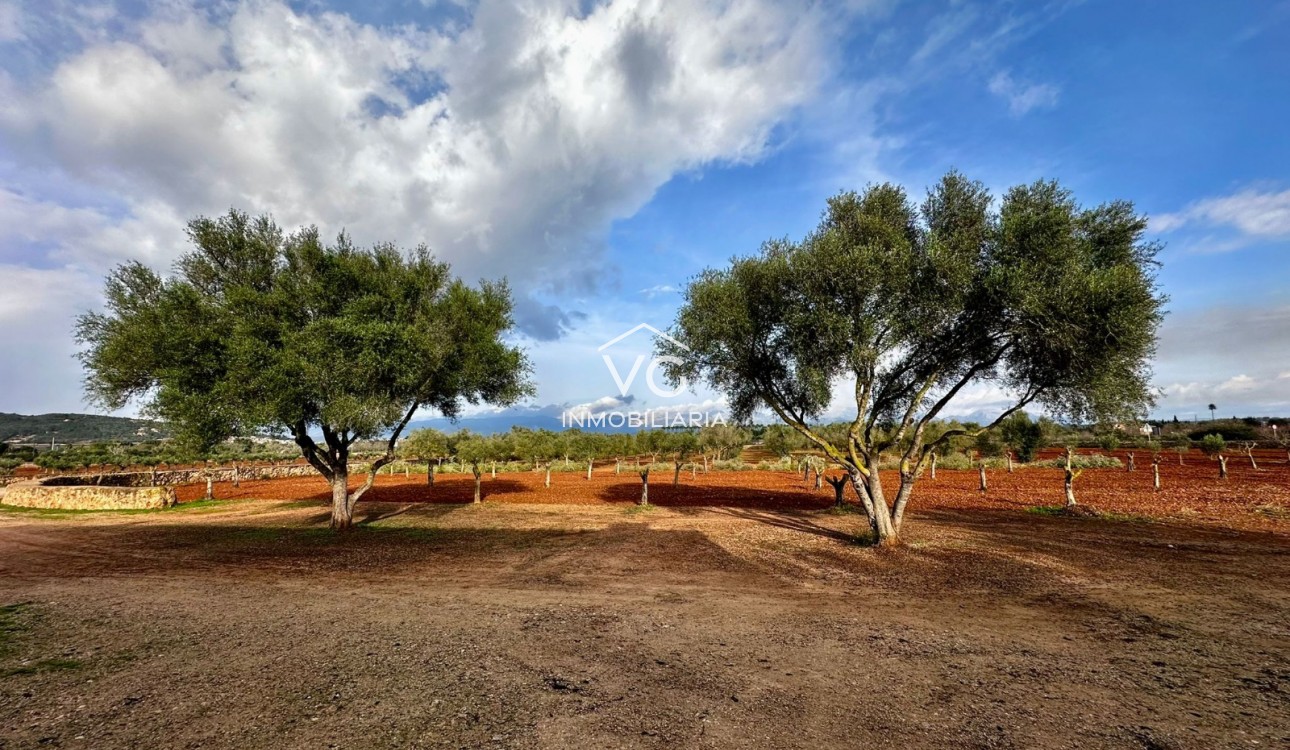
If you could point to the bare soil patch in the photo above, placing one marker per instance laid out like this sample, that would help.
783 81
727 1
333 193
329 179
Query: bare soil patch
740 613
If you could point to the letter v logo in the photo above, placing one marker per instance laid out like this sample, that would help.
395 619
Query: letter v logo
631 376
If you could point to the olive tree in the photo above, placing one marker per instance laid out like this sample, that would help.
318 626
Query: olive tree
909 306
259 330
722 440
429 445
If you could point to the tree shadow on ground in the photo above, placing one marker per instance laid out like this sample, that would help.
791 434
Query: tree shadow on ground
787 520
440 493
667 495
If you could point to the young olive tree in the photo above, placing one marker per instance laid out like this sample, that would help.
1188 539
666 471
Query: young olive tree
1053 303
260 330
429 445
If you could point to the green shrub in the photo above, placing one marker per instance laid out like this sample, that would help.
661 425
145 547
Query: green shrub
1213 444
1227 431
1094 461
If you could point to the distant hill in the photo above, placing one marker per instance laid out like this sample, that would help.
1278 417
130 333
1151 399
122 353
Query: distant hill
77 428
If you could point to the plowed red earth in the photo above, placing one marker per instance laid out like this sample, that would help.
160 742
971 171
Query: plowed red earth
750 623
1191 493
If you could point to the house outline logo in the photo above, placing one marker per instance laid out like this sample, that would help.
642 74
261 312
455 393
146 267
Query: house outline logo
625 385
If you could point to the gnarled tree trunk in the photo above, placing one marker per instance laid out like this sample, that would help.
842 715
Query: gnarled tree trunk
474 469
932 458
645 487
676 475
342 515
1222 466
1132 465
589 465
839 485
431 470
547 483
982 472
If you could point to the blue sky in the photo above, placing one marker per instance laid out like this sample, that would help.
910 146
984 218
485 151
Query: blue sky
599 154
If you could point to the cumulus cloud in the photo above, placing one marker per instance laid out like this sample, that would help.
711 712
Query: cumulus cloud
508 145
1023 97
1252 213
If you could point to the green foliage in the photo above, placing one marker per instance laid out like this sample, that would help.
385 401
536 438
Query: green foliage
1108 441
259 330
1045 299
988 444
782 440
425 444
723 440
1232 430
1212 444
1083 461
1024 435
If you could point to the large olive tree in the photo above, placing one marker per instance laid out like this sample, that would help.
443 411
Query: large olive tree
260 330
1048 301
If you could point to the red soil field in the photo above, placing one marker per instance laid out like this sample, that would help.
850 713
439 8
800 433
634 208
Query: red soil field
1191 493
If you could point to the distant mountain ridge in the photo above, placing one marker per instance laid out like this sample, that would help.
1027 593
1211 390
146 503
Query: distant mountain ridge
77 428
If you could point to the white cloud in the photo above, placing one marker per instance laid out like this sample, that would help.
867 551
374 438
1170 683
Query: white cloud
1023 97
509 146
1254 214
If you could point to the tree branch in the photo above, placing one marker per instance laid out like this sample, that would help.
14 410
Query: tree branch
385 459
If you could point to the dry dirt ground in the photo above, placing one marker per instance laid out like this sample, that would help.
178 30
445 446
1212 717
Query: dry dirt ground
753 620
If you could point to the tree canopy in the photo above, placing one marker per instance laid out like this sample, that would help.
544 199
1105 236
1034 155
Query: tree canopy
1043 299
257 329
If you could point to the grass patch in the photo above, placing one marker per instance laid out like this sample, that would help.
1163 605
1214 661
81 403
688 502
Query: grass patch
845 509
44 665
638 508
1082 511
1052 511
11 625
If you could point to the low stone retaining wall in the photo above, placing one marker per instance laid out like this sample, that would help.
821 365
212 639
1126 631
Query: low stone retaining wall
41 494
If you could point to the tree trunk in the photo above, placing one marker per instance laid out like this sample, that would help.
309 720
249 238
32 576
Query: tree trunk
1250 454
1222 467
407 470
548 476
1009 455
342 516
1070 480
431 470
589 463
1132 466
694 470
676 475
839 485
210 488
806 471
152 477
1180 458
494 470
237 475
705 463
474 469
933 457
869 490
817 478
982 471
1155 475
645 487
618 466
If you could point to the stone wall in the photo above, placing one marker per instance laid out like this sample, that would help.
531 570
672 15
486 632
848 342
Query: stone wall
40 494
